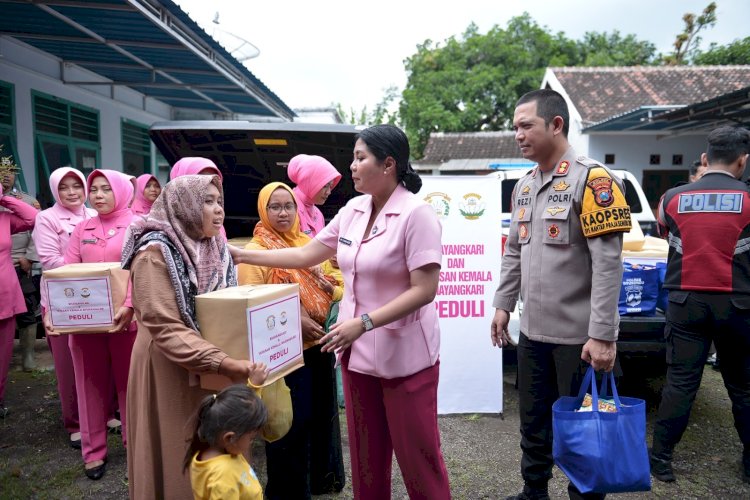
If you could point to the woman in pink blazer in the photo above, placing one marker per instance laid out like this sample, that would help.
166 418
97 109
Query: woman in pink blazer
387 336
18 217
147 190
315 178
100 358
51 234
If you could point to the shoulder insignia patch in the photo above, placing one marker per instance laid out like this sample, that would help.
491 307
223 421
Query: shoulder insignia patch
561 186
602 188
533 172
603 209
562 168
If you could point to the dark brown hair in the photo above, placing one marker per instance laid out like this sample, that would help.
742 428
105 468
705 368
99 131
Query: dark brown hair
235 409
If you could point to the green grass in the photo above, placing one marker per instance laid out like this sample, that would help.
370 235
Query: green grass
20 479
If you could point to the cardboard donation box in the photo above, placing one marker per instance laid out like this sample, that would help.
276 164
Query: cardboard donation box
260 323
84 298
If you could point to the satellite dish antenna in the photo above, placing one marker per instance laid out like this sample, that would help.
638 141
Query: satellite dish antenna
241 49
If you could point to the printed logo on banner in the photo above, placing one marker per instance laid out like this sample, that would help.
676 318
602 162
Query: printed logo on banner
283 318
271 322
440 202
85 292
472 207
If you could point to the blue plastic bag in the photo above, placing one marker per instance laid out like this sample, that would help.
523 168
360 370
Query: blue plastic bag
639 290
598 451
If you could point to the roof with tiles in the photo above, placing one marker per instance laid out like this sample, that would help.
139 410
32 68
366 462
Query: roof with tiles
444 146
600 93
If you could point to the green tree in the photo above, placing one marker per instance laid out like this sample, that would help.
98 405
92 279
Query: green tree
384 111
687 42
472 82
737 52
613 49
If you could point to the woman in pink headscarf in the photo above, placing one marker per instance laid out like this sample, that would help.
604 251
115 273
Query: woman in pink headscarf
15 217
147 190
315 178
51 235
100 358
194 165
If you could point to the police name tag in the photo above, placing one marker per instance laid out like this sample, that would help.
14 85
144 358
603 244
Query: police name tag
710 202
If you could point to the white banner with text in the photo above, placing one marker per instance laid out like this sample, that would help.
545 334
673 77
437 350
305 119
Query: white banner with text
471 370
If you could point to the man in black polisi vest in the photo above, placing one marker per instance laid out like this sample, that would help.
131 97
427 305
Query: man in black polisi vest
707 224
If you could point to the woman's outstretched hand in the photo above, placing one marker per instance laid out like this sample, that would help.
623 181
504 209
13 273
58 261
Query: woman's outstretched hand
342 335
236 254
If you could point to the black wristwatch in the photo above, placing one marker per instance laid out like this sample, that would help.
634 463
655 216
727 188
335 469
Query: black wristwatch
367 322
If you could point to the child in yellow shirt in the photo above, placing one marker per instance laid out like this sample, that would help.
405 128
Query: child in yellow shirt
226 425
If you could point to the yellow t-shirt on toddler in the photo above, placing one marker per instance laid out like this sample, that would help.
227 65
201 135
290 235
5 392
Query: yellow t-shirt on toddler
224 477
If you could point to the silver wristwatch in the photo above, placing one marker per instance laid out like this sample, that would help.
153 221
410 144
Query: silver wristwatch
367 322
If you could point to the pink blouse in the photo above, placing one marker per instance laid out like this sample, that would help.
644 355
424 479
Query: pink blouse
376 268
52 234
19 217
99 240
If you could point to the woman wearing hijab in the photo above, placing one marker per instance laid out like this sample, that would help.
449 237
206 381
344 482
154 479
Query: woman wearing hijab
51 235
101 358
147 189
308 460
315 178
194 165
18 217
174 255
388 246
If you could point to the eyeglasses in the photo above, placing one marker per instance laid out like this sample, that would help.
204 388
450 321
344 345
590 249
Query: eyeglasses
276 209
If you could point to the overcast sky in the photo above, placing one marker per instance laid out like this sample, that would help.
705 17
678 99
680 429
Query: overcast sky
315 53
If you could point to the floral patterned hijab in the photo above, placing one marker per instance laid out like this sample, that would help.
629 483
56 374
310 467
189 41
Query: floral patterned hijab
196 264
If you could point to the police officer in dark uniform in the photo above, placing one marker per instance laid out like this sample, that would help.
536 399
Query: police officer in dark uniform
707 224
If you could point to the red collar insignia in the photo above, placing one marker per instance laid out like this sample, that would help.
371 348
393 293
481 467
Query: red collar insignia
562 168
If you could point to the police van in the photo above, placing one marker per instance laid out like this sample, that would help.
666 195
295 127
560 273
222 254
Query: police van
251 154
